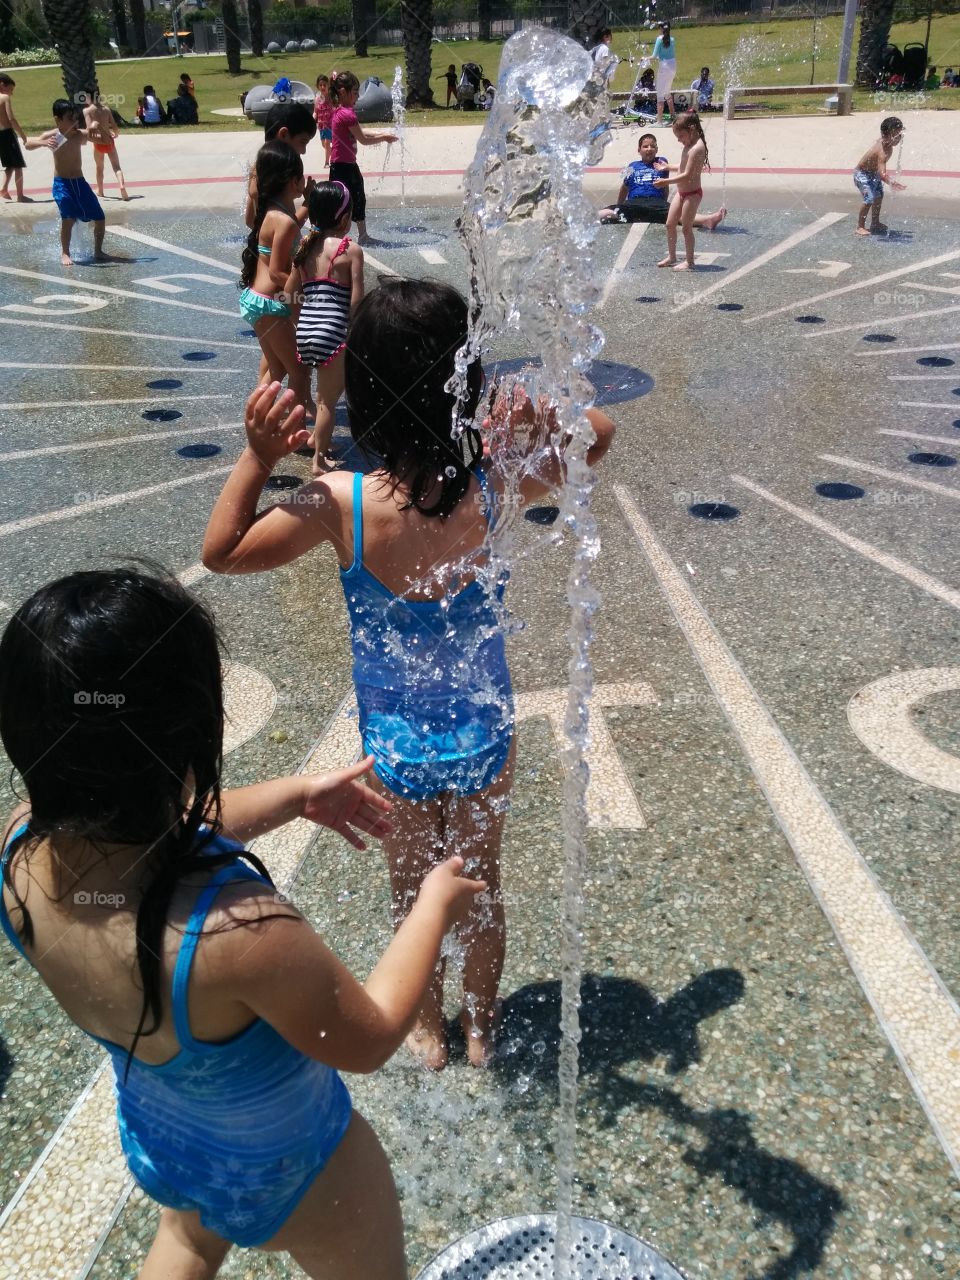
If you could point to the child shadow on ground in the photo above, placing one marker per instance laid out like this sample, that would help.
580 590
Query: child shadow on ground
622 1022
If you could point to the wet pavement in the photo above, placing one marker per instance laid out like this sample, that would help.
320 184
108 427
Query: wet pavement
772 1045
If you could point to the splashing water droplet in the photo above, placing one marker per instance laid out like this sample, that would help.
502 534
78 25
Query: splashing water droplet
450 473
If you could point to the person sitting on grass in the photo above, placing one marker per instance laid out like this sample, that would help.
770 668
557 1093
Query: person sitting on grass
638 200
871 173
932 82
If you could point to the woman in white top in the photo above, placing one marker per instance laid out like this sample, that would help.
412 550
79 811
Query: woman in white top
665 51
150 111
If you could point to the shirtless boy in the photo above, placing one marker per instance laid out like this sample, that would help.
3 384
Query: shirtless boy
11 157
871 173
102 128
72 192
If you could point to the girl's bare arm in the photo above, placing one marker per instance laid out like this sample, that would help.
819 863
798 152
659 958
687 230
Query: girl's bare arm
356 276
281 251
371 139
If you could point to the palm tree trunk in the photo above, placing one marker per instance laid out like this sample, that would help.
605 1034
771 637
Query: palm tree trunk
231 35
584 19
484 15
119 21
416 19
875 22
70 26
139 31
363 18
255 18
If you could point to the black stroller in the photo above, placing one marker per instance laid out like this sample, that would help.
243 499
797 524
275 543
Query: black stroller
468 89
914 66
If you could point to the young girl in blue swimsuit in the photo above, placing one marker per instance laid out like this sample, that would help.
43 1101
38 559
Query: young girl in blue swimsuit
433 689
126 885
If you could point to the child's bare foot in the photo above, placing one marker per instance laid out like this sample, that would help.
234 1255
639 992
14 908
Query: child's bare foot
481 1034
100 192
683 266
429 1047
124 193
862 231
6 194
667 262
714 219
66 260
879 229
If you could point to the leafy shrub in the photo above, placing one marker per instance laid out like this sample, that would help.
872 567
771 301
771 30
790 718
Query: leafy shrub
29 58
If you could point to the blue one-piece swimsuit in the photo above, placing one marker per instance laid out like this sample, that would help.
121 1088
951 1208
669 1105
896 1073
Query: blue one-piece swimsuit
236 1130
433 689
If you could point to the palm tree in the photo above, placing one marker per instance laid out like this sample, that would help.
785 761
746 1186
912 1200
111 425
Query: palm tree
137 21
119 21
416 20
875 22
71 28
585 18
255 18
231 35
484 15
363 19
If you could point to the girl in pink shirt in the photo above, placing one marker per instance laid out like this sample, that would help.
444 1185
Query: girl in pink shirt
347 132
323 114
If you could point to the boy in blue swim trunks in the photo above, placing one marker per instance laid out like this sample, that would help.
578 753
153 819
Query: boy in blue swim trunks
72 192
871 173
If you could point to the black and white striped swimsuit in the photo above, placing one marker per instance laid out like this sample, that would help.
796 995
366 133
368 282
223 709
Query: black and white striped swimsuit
322 327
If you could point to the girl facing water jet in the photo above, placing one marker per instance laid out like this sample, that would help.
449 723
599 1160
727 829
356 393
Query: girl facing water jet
429 662
686 199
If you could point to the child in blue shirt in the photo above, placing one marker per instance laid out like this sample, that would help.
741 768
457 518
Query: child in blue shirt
638 200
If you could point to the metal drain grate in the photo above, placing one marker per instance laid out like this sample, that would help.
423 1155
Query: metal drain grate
523 1247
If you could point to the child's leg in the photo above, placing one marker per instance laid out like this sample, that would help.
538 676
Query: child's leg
66 230
278 342
329 390
474 830
18 183
5 189
348 1224
99 228
875 223
98 165
673 219
118 173
326 152
413 847
687 214
183 1249
862 220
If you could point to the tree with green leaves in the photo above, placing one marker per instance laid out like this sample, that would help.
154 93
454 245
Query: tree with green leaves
255 18
231 35
416 22
71 28
876 19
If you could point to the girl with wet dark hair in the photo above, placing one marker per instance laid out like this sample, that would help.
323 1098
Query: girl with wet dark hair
126 886
429 662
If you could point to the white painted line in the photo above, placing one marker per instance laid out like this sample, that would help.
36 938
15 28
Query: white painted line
631 240
916 1012
249 700
916 577
19 454
878 322
879 714
118 293
111 368
918 435
87 404
251 346
109 500
923 377
941 490
795 238
126 234
370 260
859 284
934 288
903 351
193 573
929 404
433 257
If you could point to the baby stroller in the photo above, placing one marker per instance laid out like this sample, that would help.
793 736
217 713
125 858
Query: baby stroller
914 66
468 90
891 68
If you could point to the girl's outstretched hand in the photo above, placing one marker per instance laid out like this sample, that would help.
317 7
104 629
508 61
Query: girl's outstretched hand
274 424
341 801
448 890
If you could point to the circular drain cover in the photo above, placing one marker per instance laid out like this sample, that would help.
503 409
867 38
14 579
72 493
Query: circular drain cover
521 1247
810 320
199 355
879 337
935 362
161 415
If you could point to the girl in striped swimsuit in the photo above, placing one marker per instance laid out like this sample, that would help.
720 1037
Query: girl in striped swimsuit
327 281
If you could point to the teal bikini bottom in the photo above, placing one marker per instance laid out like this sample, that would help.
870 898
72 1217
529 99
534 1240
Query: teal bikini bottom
256 306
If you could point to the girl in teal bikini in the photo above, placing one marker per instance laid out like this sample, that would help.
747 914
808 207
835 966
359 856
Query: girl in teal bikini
267 262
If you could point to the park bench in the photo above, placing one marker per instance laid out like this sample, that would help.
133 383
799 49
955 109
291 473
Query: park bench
844 94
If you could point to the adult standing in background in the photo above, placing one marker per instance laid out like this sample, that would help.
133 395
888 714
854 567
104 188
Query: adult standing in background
665 51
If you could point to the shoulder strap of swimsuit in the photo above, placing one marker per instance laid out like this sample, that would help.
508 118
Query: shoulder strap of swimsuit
357 521
5 921
483 479
341 248
181 974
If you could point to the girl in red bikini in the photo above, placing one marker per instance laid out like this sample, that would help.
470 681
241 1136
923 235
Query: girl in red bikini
686 199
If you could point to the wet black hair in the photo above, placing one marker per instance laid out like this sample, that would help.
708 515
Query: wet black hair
148 88
292 116
277 166
645 136
342 82
111 707
400 354
61 107
326 207
602 34
892 124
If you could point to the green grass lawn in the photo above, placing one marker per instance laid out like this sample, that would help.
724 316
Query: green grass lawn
771 53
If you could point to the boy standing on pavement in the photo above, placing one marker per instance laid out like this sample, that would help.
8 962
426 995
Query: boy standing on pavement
871 173
72 192
11 157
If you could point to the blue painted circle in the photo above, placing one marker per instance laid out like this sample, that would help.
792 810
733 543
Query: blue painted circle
614 383
246 333
164 384
839 490
283 482
646 297
810 320
932 459
879 337
956 391
935 362
411 230
200 355
714 511
541 515
161 415
729 306
199 450
956 423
